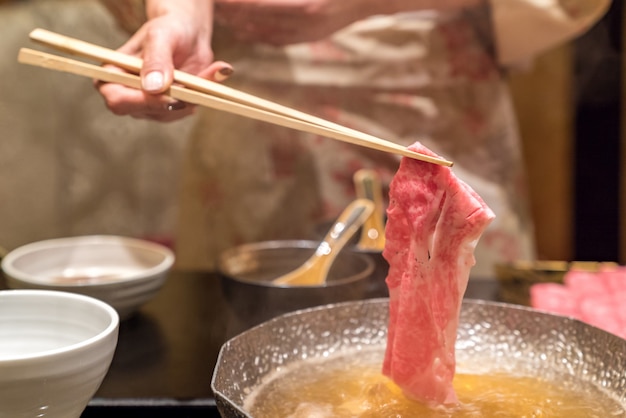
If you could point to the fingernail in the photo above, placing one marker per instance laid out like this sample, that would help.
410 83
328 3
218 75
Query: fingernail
153 81
223 73
177 105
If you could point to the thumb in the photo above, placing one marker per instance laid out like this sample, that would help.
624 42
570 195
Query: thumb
157 72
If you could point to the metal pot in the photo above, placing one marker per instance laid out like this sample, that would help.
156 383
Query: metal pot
497 335
247 272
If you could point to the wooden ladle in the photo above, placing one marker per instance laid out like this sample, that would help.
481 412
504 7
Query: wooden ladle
368 186
315 270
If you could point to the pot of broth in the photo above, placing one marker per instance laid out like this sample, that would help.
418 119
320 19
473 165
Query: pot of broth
511 361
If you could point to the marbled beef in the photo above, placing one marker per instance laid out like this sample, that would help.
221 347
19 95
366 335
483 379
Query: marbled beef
596 298
434 222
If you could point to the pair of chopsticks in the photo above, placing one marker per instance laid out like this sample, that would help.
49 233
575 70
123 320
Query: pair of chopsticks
198 91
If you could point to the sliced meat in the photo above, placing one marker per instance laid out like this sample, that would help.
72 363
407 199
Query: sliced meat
434 222
554 298
584 284
593 297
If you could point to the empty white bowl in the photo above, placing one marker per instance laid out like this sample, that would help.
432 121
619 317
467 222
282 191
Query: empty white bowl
55 349
124 272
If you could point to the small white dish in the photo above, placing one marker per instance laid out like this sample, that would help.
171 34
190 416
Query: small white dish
124 272
55 350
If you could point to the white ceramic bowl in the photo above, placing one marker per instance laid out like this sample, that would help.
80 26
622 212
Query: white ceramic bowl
124 272
55 349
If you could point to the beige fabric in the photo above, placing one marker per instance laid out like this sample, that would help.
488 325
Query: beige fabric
67 165
525 28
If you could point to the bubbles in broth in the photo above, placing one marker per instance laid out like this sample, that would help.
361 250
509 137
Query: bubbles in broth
353 386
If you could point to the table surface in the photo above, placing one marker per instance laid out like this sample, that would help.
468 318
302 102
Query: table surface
166 352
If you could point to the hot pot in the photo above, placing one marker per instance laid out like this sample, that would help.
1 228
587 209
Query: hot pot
497 336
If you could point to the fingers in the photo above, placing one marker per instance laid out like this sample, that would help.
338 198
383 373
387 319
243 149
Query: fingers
157 69
139 104
167 41
157 72
218 71
125 101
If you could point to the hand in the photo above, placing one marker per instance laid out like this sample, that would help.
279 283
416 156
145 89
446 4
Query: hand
176 35
281 22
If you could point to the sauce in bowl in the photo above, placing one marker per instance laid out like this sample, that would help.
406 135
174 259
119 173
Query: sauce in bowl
89 275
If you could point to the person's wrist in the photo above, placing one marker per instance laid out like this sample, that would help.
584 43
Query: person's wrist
156 8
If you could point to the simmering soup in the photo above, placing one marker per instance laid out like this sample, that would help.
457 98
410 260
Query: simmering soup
353 386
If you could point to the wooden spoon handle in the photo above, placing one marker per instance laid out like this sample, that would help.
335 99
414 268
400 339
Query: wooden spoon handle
368 186
350 220
315 270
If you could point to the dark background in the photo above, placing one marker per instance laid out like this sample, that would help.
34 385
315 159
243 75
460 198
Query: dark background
598 91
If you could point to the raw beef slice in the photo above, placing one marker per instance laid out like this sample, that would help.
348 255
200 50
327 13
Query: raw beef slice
595 297
434 223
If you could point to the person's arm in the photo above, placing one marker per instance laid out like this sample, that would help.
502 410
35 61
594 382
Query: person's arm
177 34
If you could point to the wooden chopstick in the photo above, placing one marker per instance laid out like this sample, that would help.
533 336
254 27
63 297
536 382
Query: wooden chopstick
54 62
201 92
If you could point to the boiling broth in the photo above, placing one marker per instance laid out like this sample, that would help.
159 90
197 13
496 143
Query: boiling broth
353 386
